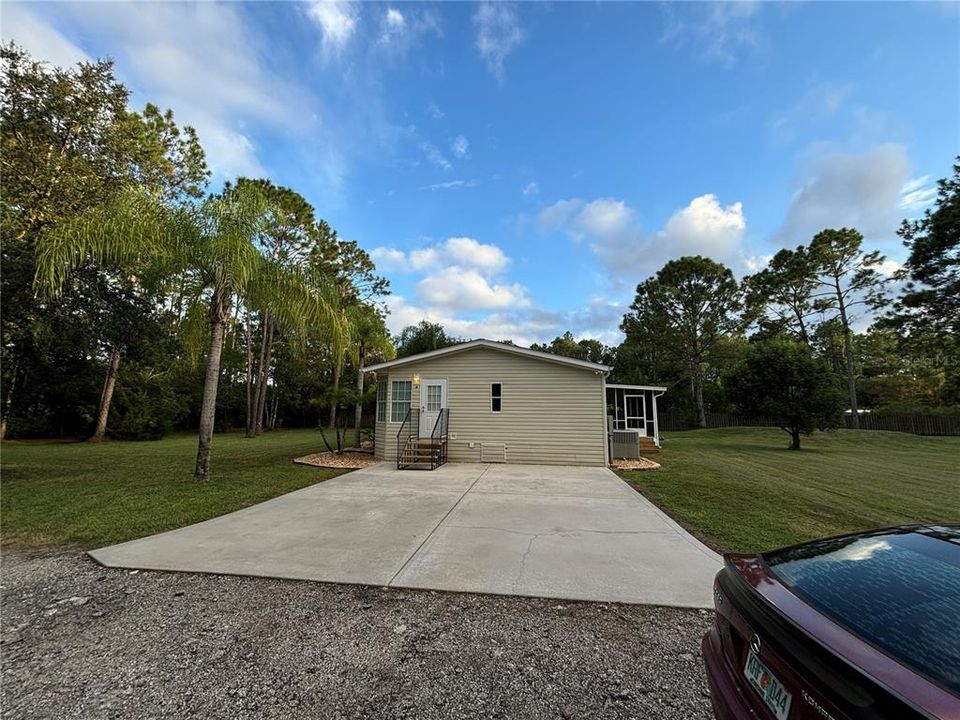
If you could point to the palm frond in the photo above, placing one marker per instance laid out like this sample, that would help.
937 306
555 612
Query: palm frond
131 229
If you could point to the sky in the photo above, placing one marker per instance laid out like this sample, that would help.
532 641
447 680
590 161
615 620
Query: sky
515 170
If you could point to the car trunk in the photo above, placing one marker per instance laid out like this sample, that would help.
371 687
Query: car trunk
820 684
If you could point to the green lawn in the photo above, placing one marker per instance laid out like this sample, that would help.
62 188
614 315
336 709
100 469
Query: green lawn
740 489
56 493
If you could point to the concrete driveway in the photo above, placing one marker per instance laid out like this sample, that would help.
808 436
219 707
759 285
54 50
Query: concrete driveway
560 532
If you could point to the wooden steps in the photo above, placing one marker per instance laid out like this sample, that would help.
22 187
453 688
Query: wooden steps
422 454
648 446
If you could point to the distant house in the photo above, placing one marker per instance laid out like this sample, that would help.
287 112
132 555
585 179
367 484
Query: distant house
484 401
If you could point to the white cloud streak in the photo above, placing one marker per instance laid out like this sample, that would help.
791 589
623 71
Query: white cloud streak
864 190
498 34
337 21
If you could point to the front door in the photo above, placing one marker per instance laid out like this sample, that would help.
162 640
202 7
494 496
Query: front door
634 415
433 399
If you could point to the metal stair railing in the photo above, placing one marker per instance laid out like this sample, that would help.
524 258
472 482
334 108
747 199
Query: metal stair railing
439 436
408 433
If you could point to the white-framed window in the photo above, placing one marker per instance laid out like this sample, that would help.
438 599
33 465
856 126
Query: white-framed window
381 401
400 394
496 397
434 400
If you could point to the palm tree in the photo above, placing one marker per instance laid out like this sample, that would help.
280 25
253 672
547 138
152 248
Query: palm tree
208 248
368 334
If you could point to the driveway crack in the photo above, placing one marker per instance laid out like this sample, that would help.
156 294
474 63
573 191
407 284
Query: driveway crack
431 533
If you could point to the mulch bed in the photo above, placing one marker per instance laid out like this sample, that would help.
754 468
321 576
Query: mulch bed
638 464
348 459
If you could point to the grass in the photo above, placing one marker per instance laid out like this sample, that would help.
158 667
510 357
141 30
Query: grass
741 489
57 493
737 489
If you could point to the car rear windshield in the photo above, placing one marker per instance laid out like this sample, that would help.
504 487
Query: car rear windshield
898 591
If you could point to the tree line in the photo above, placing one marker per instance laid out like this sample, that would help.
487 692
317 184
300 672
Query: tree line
136 301
783 342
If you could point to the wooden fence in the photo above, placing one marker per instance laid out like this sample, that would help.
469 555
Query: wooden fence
915 423
909 423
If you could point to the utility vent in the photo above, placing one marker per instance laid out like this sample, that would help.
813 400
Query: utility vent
493 452
625 444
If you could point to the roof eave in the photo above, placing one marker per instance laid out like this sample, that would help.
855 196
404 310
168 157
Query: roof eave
513 349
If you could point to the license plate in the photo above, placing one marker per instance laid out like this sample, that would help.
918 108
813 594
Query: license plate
771 690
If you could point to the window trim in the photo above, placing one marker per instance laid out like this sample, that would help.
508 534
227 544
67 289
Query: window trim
381 413
496 397
394 402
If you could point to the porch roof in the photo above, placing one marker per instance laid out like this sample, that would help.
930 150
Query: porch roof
617 386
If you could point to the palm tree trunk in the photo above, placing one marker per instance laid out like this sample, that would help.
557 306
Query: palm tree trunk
358 410
208 407
266 356
250 426
106 396
337 369
256 413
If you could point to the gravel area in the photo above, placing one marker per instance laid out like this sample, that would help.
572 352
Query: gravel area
635 464
351 459
79 640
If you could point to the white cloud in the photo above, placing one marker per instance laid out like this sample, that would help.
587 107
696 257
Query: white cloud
433 154
388 259
467 252
435 112
498 34
452 185
455 288
888 268
918 194
756 263
460 146
719 31
400 30
394 18
462 286
605 218
531 188
338 22
40 39
202 60
863 190
627 251
705 227
524 325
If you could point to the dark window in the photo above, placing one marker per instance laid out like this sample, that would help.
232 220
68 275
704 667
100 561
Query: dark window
496 396
899 591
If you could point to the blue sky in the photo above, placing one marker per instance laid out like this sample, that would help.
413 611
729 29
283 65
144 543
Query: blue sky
516 170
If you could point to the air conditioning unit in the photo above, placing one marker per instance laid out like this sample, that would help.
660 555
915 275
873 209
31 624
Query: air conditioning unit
625 444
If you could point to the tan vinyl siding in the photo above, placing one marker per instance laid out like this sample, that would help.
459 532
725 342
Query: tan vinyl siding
551 413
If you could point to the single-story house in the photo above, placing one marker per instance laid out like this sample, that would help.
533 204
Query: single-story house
485 401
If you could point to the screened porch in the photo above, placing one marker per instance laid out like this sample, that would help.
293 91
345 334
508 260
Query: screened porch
634 407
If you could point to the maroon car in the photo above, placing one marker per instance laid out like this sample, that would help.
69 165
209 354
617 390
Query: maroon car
858 626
